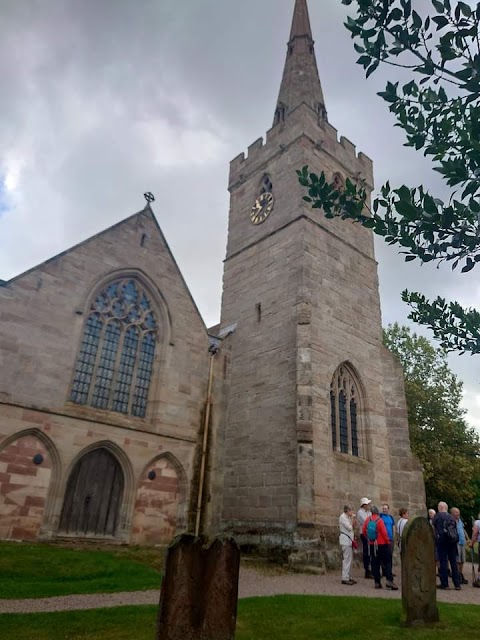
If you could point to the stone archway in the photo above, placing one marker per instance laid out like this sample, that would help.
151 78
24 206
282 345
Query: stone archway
94 494
27 461
160 498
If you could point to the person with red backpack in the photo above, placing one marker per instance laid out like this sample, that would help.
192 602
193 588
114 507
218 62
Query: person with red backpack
379 547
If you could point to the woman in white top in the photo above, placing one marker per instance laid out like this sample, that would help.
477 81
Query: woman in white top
346 538
476 537
403 513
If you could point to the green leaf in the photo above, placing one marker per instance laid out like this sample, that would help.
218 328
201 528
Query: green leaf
465 9
440 21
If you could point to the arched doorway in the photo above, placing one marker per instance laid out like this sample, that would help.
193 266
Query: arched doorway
94 496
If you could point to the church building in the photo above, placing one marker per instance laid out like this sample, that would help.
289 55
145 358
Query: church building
123 418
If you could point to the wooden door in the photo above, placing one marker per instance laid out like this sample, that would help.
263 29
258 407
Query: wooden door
94 496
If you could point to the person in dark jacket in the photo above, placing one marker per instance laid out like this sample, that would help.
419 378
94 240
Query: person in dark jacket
446 546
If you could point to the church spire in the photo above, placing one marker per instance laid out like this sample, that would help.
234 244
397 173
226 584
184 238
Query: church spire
300 82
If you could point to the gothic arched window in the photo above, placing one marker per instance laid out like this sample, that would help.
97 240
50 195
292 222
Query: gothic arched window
280 113
267 186
115 362
344 412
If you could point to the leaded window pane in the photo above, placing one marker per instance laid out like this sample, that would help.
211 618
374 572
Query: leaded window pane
121 394
342 414
144 374
105 369
86 359
333 414
353 423
115 362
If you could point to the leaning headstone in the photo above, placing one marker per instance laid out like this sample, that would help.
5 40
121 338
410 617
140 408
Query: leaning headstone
419 589
198 599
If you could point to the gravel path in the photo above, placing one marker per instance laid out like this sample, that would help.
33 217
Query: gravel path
252 583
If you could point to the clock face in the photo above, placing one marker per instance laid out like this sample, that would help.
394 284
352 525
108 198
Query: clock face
262 208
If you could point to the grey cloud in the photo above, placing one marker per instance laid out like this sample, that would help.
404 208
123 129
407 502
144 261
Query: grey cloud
102 101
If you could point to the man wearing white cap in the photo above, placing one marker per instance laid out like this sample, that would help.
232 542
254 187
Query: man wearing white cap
362 514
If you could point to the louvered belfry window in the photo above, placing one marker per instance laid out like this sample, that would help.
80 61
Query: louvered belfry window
115 361
344 413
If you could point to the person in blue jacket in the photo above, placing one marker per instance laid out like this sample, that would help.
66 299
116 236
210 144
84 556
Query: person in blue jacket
389 523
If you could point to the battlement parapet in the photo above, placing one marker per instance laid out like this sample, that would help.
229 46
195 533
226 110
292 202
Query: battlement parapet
303 121
346 152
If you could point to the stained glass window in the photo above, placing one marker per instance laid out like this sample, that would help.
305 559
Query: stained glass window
144 374
344 414
342 405
103 381
353 421
86 359
115 361
333 418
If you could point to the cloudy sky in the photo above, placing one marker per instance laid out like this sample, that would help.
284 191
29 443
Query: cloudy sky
101 101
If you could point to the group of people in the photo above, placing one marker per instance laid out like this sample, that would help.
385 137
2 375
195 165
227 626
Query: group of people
377 532
451 541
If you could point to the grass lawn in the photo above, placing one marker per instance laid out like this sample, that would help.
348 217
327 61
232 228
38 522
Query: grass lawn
275 618
41 570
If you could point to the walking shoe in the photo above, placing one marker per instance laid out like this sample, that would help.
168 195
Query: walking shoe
458 588
463 580
368 575
392 586
352 580
348 582
378 585
441 586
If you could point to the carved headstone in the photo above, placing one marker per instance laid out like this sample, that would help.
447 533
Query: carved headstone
419 590
198 599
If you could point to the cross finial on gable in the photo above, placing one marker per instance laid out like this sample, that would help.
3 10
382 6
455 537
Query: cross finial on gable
149 197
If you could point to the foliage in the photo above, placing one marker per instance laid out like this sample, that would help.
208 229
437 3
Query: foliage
456 328
40 570
439 111
267 618
447 447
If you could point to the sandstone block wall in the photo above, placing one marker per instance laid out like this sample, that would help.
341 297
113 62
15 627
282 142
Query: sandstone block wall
260 444
23 487
152 511
408 488
156 504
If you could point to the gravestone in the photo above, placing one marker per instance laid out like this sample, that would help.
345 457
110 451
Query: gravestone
198 599
419 589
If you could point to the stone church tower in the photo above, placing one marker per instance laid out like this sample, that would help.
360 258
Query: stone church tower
316 409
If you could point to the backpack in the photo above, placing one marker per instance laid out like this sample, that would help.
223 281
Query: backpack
372 530
450 533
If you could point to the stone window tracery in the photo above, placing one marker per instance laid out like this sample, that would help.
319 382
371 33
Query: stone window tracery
344 412
115 361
